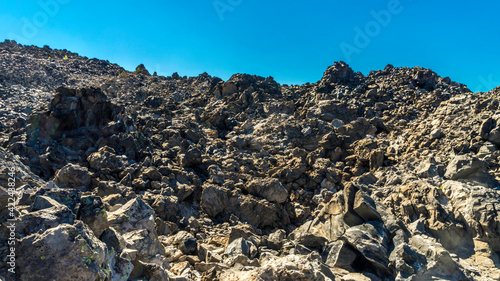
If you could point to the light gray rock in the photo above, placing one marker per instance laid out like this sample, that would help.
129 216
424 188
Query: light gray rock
436 134
44 219
406 260
439 264
241 246
65 252
427 169
136 223
480 208
308 239
462 166
268 188
295 267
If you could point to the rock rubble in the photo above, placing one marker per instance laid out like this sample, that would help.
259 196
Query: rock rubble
131 176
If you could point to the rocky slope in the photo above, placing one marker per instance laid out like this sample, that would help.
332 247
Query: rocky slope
131 176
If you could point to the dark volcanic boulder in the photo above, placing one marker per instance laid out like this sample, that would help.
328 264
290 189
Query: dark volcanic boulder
69 110
339 73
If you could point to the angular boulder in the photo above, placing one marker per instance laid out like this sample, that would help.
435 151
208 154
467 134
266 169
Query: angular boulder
268 188
65 252
73 176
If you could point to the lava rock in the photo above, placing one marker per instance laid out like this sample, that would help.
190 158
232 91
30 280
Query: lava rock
268 188
73 176
65 252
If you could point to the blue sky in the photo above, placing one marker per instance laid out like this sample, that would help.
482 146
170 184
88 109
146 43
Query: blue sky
293 41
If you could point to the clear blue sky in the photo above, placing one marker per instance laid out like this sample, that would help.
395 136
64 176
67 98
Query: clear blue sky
293 41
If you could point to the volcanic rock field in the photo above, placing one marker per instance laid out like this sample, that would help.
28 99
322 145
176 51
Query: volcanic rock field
108 174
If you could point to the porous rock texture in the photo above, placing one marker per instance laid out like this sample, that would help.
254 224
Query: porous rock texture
131 176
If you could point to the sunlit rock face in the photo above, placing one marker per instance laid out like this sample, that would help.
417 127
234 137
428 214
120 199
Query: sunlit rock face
123 175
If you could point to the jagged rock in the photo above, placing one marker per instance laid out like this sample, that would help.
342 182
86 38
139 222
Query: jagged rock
329 223
214 199
69 197
259 213
22 172
269 188
113 240
480 207
65 252
372 240
135 222
486 128
494 136
308 239
121 268
428 169
162 227
142 69
275 240
4 200
239 231
73 176
352 218
439 262
241 246
186 242
406 260
152 173
365 207
334 164
419 200
190 158
166 207
106 158
106 188
294 267
44 219
71 109
93 213
462 166
329 141
207 253
341 254
339 73
43 202
149 271
376 159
